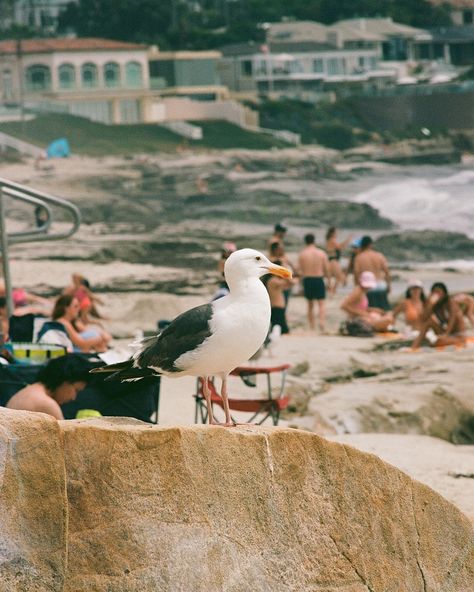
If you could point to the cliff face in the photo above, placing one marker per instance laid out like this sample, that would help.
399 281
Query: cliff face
214 509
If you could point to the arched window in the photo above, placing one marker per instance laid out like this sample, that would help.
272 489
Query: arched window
89 75
38 78
112 75
67 76
133 75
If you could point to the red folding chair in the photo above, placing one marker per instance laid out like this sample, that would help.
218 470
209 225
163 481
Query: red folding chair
261 409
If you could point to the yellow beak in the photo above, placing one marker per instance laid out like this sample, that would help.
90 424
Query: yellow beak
280 271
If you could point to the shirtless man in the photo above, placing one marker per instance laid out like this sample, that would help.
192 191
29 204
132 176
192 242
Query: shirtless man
276 288
370 260
58 382
313 267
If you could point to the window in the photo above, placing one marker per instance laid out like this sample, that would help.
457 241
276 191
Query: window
318 65
133 75
334 67
246 67
38 78
112 75
67 76
468 17
89 75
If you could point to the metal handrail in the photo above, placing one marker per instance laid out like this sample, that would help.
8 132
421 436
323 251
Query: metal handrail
20 192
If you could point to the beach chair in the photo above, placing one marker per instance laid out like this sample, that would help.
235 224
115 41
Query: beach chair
258 409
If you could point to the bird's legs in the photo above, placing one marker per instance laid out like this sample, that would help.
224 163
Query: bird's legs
225 400
207 395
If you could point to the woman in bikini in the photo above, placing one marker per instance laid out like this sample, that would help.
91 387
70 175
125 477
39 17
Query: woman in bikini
413 305
334 250
357 305
444 316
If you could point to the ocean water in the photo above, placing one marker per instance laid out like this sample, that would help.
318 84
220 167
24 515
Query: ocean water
425 198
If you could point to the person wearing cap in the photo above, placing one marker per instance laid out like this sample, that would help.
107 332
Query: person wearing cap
356 305
413 305
313 268
371 260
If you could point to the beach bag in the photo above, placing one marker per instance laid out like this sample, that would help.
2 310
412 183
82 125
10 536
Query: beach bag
356 328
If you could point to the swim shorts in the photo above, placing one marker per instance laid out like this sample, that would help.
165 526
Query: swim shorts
314 288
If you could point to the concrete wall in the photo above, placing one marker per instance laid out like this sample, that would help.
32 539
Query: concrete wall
184 109
454 111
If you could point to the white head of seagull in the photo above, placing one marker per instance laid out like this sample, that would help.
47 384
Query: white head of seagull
246 264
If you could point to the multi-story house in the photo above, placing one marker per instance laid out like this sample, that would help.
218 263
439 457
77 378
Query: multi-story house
114 82
305 59
96 78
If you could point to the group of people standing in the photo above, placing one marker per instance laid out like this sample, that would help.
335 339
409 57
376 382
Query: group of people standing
438 317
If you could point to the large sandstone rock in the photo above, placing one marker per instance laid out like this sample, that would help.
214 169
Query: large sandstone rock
33 504
247 509
447 468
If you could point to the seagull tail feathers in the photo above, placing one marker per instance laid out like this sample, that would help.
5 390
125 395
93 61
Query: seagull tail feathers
124 371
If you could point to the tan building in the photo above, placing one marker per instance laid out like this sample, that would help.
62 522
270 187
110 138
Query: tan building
99 79
115 82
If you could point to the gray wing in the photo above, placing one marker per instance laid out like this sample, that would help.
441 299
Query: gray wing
184 334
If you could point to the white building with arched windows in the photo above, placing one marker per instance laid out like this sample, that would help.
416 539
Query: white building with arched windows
100 79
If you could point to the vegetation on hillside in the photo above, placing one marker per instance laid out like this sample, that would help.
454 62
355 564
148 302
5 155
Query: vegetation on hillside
96 139
201 24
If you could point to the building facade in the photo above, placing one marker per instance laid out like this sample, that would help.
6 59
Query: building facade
96 78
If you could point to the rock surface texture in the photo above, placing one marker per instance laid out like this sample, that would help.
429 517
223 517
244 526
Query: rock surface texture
213 509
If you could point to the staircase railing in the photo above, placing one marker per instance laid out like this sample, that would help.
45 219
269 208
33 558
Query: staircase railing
41 233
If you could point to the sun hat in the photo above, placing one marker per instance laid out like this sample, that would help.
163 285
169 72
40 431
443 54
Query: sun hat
367 280
414 284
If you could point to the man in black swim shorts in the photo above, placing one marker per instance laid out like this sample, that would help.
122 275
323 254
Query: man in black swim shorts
313 267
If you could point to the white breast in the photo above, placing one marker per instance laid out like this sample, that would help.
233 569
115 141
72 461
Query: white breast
239 327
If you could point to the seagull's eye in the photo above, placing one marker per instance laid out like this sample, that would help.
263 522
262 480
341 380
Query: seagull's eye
258 258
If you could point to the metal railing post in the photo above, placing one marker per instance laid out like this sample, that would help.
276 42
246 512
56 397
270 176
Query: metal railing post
5 257
37 198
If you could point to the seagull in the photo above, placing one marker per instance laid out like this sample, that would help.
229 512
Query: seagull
211 339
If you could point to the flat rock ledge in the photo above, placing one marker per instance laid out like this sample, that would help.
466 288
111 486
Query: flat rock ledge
114 505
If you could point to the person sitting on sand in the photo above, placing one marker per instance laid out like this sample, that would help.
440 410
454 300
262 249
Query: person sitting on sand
88 326
58 382
466 303
443 315
412 306
27 303
356 305
80 288
64 332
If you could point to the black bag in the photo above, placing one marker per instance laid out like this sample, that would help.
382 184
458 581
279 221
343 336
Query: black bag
356 328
